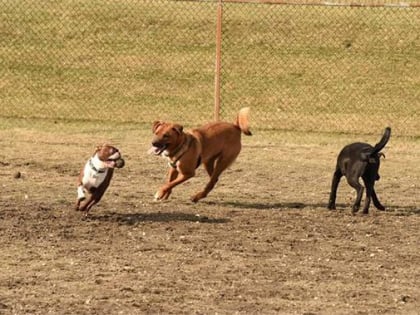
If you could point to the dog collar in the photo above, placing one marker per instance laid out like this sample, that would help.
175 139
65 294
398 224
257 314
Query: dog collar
180 151
172 164
101 170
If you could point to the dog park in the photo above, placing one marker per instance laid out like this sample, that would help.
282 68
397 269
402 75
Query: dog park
263 241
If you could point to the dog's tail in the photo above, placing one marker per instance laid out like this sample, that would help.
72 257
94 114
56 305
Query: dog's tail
379 146
242 120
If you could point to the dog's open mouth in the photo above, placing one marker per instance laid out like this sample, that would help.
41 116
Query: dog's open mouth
112 160
118 163
110 163
157 149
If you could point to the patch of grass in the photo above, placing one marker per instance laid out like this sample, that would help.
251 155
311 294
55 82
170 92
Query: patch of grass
308 68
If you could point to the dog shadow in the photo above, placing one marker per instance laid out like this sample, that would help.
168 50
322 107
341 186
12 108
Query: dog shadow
135 218
274 206
281 206
403 211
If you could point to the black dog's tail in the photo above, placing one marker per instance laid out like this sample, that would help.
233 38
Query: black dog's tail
366 154
380 145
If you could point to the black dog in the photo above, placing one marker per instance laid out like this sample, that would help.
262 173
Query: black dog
359 160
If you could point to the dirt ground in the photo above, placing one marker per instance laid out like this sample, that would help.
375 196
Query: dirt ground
261 243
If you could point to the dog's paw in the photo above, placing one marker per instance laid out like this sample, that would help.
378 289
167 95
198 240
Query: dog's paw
194 199
160 196
157 196
197 197
331 207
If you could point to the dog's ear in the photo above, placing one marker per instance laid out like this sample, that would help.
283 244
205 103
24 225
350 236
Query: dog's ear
97 148
156 124
178 128
100 146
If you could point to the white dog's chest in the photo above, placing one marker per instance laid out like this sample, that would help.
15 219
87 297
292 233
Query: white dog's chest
92 178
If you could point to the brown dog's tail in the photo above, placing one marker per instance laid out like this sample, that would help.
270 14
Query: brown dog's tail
242 121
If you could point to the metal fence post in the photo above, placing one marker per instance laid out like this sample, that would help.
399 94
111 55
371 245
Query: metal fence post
218 60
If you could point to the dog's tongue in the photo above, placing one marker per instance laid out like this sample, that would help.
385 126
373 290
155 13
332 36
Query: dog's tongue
153 150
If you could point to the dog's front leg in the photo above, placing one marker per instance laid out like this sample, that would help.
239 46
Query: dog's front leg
165 190
172 174
80 196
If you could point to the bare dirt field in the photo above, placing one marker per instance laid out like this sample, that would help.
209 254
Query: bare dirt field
261 243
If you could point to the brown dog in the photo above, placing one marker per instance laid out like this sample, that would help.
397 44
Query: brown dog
96 176
216 145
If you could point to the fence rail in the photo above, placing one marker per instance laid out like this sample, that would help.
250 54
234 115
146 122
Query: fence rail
345 3
339 66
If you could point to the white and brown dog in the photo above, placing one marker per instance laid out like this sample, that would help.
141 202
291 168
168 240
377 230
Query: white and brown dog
96 176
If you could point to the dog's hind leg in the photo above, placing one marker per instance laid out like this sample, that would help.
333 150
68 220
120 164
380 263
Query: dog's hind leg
90 204
369 190
353 182
93 201
209 166
84 205
334 185
376 202
371 195
220 164
94 197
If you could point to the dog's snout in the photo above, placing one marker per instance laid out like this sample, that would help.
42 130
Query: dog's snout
157 144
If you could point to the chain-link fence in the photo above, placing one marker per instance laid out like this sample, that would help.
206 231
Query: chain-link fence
324 67
301 65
